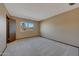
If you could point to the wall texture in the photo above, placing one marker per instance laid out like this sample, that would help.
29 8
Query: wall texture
2 28
26 34
63 27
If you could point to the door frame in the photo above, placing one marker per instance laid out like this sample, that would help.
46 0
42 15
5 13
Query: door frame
7 28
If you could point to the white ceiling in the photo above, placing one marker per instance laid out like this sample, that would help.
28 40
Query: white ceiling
38 11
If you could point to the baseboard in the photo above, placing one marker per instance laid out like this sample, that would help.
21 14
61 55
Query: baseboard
3 50
62 43
28 37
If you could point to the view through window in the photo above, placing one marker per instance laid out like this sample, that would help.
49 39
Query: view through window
27 26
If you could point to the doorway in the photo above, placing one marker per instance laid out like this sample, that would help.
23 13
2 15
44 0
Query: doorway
11 29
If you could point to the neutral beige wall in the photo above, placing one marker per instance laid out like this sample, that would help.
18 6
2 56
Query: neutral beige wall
63 27
20 34
2 28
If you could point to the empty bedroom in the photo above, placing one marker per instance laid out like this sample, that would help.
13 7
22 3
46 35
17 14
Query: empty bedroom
39 29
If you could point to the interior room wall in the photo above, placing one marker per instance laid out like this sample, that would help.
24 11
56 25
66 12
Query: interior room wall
19 34
63 27
2 28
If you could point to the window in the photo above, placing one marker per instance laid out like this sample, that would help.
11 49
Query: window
27 26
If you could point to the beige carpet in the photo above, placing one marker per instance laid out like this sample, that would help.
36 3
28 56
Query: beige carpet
38 46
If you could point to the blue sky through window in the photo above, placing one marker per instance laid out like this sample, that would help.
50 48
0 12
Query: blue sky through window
31 24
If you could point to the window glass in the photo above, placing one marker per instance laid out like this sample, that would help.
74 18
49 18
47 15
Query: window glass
31 25
27 26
